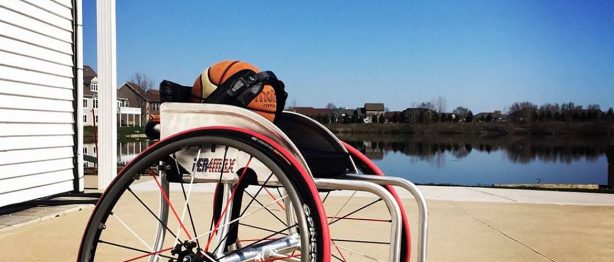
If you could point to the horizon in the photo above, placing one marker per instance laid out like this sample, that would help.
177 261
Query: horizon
480 55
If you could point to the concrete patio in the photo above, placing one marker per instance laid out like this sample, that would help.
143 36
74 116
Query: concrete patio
466 224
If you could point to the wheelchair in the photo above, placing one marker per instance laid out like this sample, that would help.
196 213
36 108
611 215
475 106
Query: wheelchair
225 184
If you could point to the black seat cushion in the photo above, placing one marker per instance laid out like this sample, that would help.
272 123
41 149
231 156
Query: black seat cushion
326 164
325 157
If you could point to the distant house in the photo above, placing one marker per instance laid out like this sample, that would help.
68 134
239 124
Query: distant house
128 112
148 102
417 115
392 116
313 112
153 102
90 96
341 115
495 116
373 112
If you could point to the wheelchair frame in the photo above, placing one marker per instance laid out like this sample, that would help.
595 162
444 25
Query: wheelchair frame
176 117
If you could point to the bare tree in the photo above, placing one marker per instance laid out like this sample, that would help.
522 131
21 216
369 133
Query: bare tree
143 80
440 104
515 107
427 105
461 112
330 105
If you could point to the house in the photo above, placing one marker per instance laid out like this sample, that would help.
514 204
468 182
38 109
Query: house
392 116
495 116
40 99
315 113
148 101
373 112
128 113
153 102
417 115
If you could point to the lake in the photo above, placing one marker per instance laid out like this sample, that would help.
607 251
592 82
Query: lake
126 151
481 161
470 160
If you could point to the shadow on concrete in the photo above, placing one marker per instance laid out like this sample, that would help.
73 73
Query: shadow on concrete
53 201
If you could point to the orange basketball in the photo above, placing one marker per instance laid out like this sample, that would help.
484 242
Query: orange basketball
265 103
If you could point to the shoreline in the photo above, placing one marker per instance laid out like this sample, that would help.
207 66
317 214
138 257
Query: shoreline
488 129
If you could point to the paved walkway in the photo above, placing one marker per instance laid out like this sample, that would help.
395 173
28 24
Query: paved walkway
466 224
503 195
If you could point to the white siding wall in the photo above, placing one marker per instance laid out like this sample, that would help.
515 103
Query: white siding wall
37 94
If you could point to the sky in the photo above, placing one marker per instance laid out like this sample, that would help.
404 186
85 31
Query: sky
483 55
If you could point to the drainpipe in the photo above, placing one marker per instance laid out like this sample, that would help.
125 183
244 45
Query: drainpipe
107 79
78 184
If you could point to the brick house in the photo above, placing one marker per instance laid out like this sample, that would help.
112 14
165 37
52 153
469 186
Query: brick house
128 112
148 101
373 112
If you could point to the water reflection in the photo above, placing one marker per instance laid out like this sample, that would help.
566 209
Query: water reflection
125 151
475 160
517 150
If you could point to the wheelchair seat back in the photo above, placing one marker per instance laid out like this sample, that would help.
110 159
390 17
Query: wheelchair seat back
324 153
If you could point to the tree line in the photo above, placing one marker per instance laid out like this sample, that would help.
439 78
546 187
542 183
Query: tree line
428 112
568 112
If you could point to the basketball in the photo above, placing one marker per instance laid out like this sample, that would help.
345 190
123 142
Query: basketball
210 79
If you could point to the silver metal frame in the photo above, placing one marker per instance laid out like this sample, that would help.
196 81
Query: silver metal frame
161 234
393 207
420 200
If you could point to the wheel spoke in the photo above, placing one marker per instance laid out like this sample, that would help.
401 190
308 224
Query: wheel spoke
219 182
149 254
168 201
325 197
186 199
339 251
232 227
273 197
234 190
363 219
257 227
268 210
358 253
129 248
345 204
355 211
361 241
152 213
131 231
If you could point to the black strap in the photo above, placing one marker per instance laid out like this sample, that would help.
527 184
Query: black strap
244 86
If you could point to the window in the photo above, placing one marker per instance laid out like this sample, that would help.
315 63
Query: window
95 102
122 102
155 107
96 119
84 102
85 150
94 86
84 118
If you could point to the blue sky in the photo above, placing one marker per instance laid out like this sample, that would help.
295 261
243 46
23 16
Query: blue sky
483 55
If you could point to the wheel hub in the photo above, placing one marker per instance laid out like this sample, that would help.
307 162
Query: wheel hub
185 253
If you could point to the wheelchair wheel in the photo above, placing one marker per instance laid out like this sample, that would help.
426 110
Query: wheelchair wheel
209 194
360 223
